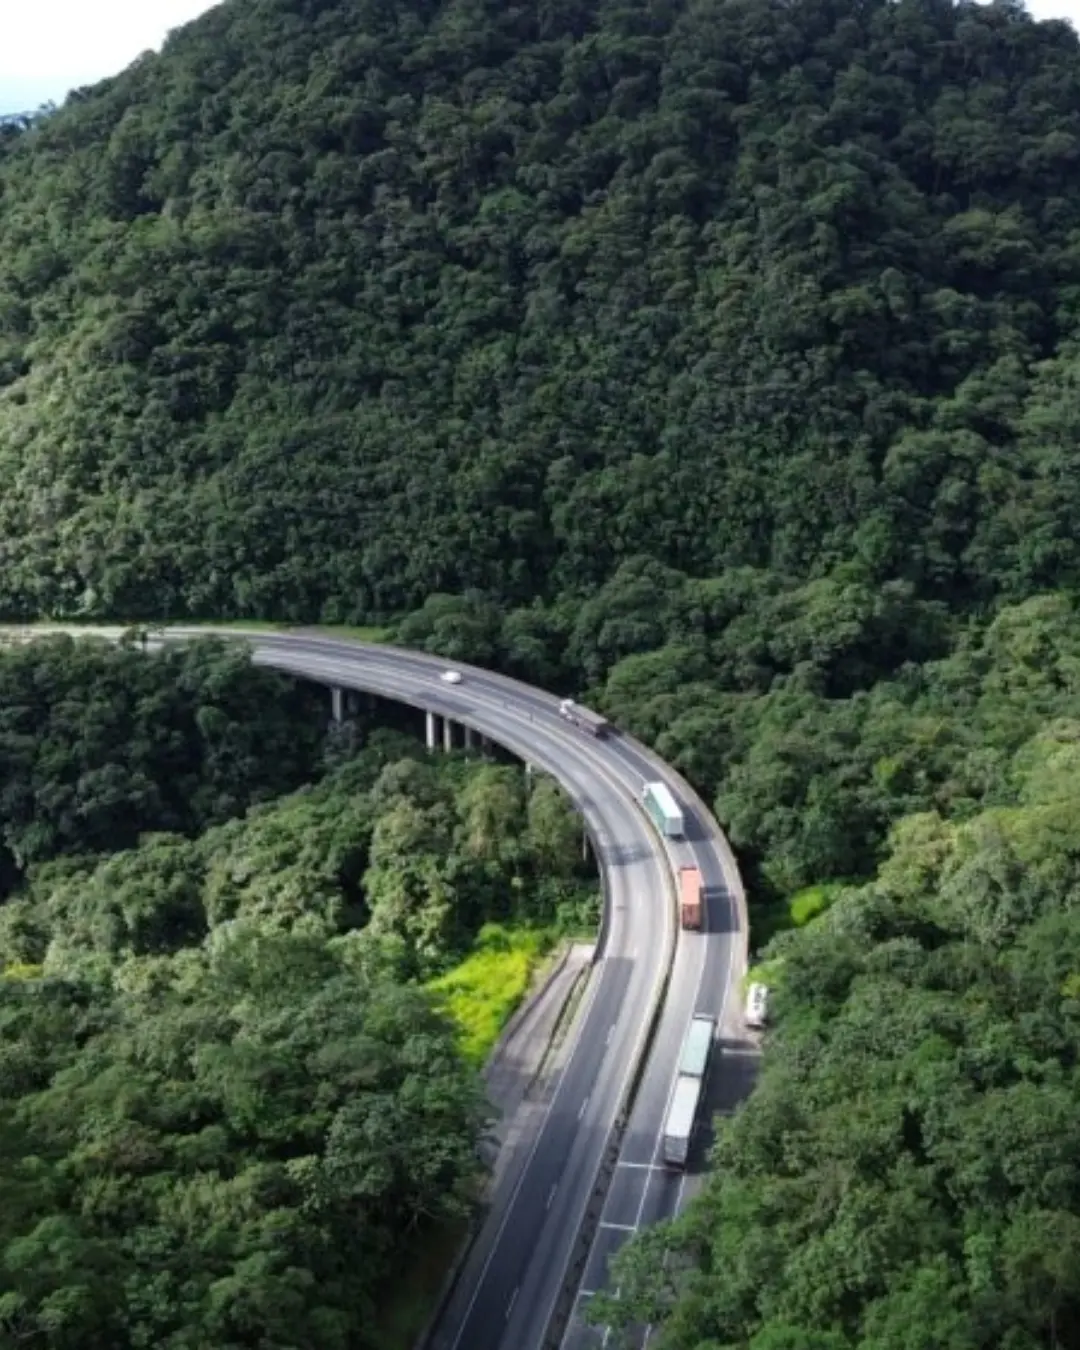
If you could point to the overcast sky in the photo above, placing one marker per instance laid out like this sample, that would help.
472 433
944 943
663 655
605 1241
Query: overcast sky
48 47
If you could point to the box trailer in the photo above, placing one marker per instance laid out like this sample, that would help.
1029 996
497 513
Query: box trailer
664 810
679 1125
682 1112
691 897
697 1047
593 723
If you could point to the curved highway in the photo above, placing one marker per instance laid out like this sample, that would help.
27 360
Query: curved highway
510 1289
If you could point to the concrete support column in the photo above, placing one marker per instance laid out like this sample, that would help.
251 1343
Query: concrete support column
431 731
337 703
528 776
470 738
447 735
586 846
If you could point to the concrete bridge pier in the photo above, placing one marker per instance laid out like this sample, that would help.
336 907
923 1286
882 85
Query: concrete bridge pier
447 735
337 704
432 731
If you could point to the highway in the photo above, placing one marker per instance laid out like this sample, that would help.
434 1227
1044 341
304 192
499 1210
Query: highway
509 1290
705 979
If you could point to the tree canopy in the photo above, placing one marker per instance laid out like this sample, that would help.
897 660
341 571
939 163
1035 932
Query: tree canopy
331 306
906 1172
713 360
238 1089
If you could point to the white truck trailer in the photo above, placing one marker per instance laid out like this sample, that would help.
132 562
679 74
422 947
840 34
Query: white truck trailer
664 810
683 1109
681 1115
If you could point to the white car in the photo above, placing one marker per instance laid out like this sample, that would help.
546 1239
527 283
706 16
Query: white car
450 677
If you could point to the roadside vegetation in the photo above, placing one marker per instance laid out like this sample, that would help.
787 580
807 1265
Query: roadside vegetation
914 1130
238 1063
482 991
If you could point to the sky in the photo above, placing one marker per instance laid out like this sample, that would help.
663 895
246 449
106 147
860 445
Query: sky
48 47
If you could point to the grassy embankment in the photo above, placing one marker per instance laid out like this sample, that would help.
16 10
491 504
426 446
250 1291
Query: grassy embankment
481 993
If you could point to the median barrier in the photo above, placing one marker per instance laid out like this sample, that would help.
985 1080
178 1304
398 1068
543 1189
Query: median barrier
579 1255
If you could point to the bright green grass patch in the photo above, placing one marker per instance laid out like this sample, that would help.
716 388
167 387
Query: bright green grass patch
483 990
779 916
21 970
807 904
362 633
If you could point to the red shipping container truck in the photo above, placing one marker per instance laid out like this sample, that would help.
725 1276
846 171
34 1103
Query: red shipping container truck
691 897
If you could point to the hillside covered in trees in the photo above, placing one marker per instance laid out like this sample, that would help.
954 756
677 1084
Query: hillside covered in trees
238 1089
716 360
907 1171
336 304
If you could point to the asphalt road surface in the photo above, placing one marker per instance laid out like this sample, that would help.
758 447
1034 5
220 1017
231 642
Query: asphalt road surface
509 1287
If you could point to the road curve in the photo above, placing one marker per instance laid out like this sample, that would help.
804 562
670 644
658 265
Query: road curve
511 1284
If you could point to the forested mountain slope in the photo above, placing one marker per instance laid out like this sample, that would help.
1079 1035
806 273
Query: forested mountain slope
907 1173
715 359
336 303
238 1098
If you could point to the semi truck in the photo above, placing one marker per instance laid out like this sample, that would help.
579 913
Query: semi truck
663 810
685 1100
691 898
584 718
679 1125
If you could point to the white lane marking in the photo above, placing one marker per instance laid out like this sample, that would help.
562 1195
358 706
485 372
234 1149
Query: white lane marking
584 1106
653 1166
642 1167
619 1227
551 1195
513 1300
607 1038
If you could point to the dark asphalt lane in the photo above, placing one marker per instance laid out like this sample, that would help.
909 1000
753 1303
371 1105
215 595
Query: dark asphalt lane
705 979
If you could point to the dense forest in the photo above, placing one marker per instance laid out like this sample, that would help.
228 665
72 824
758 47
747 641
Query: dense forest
238 1085
714 360
99 745
336 304
907 1171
